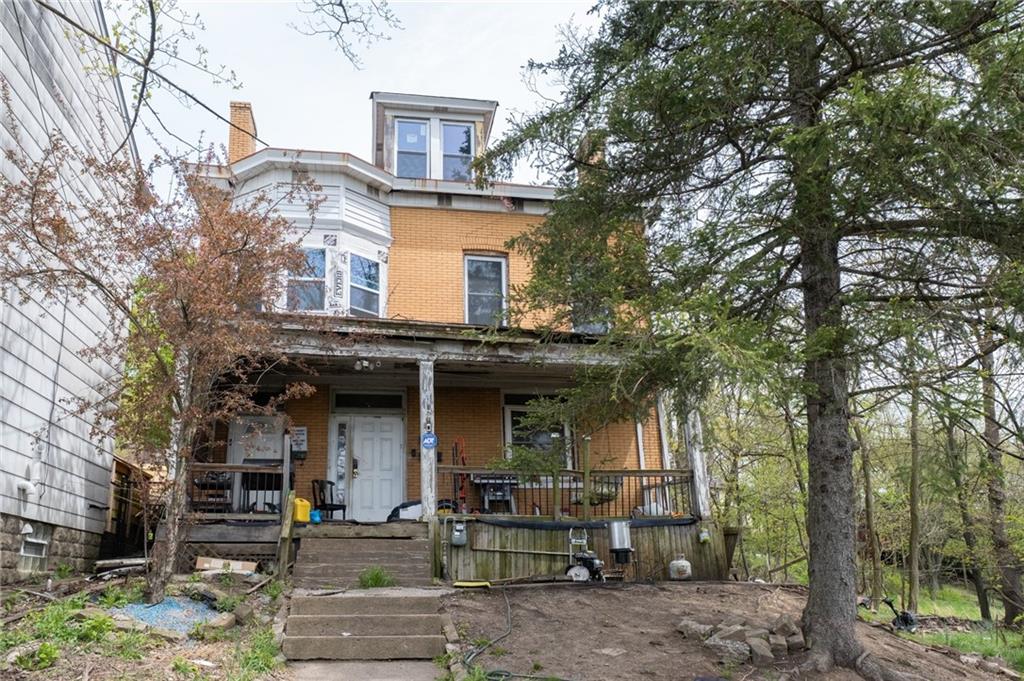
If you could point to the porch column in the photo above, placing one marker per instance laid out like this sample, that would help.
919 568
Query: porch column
428 455
694 437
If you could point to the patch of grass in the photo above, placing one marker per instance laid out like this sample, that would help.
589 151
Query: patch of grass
128 645
255 657
42 657
375 577
480 642
274 589
1009 645
55 623
64 571
536 667
227 603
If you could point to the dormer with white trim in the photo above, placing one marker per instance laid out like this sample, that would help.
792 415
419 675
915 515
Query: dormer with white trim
422 137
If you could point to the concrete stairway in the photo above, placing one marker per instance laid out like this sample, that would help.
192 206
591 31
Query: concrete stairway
379 624
335 563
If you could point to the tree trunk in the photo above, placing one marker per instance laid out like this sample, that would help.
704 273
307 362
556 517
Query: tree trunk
914 576
874 550
956 467
1008 566
831 609
165 553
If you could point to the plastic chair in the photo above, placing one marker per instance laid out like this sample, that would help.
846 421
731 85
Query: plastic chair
323 498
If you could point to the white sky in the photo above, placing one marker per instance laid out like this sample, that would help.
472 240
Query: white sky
305 93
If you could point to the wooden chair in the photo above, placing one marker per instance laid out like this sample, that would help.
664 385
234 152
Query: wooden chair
323 498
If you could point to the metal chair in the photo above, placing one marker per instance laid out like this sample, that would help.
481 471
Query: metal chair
323 498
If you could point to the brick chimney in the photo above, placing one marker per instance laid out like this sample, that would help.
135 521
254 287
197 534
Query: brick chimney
241 144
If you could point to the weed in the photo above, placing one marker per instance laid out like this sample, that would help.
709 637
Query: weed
444 660
274 589
480 642
226 578
536 667
255 659
498 651
42 658
462 629
64 571
54 622
95 628
195 577
128 645
116 597
11 599
182 667
375 577
227 603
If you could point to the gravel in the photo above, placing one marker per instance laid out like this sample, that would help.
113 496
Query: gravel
174 613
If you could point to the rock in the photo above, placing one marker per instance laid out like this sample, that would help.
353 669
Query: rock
126 623
728 651
733 633
760 651
611 652
990 667
88 612
17 651
734 621
224 620
778 644
694 630
244 613
785 625
206 592
757 632
796 641
970 660
1009 673
168 634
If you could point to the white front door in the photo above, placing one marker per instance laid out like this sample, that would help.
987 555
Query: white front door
378 475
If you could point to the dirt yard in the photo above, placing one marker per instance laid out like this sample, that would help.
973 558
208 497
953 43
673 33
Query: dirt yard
627 631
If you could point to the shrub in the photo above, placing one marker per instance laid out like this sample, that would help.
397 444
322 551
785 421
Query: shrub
375 577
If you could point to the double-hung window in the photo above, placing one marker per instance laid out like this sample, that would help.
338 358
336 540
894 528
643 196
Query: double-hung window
457 143
307 287
364 288
486 290
413 140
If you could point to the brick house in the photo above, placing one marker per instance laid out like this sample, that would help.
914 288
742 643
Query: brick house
421 397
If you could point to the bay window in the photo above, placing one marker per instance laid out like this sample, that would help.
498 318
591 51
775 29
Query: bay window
307 287
364 287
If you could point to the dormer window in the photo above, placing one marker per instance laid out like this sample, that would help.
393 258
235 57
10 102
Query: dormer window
412 145
457 144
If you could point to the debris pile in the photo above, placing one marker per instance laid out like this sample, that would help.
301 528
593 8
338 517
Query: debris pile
736 639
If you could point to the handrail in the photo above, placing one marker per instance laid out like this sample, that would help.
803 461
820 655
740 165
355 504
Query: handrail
234 468
604 472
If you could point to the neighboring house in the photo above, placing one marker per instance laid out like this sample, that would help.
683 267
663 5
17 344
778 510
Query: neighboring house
410 259
54 474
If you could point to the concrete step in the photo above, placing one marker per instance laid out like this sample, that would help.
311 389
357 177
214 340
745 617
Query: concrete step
365 605
364 559
313 544
364 625
397 568
363 647
316 583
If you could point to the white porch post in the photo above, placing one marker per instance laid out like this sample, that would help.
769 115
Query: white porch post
694 437
428 457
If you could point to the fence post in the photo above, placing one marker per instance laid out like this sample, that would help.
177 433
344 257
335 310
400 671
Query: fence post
556 496
284 546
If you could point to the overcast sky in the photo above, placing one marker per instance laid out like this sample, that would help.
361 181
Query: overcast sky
306 94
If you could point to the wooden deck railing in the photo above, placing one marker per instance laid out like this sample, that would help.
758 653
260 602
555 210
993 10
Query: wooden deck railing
601 494
235 491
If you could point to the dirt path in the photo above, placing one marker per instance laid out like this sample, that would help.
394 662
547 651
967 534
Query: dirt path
627 631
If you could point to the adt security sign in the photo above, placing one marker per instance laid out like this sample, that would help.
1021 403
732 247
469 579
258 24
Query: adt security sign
429 441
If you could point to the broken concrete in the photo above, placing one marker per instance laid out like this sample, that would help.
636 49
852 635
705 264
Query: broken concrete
778 644
694 630
735 652
760 651
785 625
796 642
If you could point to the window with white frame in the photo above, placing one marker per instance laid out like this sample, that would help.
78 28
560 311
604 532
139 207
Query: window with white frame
306 288
364 287
412 141
457 148
486 290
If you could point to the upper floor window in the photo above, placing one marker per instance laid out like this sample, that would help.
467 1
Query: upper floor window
411 147
307 287
364 290
486 290
457 145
